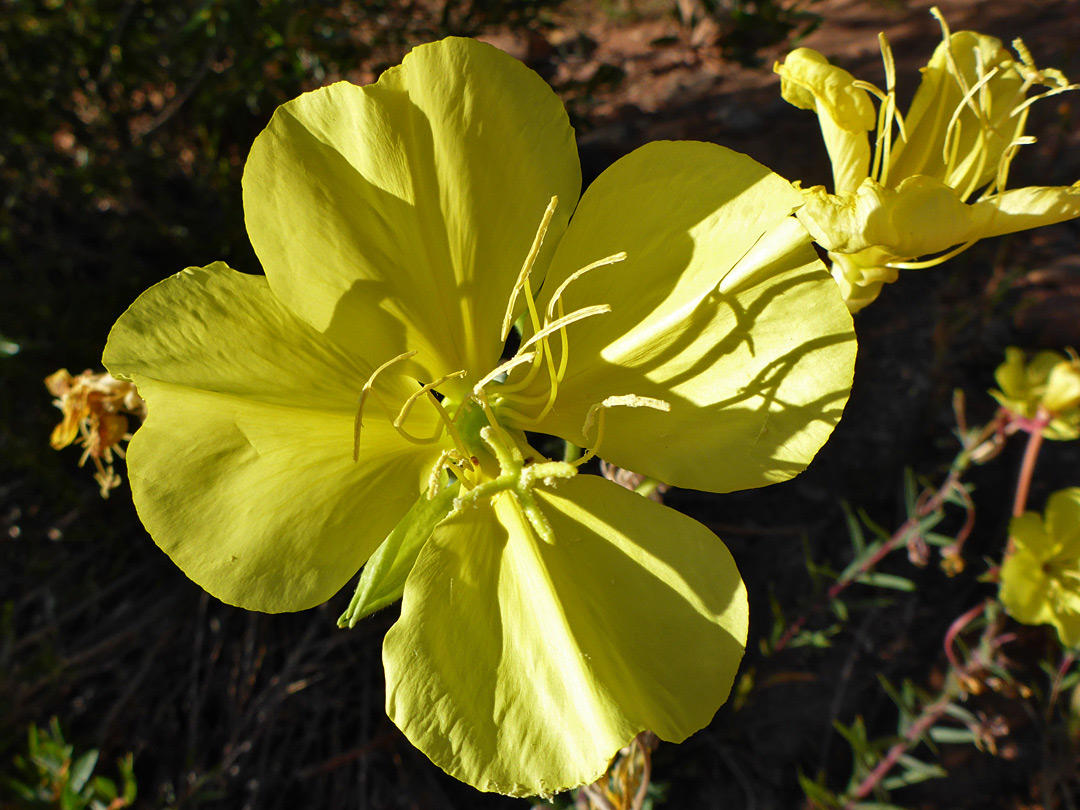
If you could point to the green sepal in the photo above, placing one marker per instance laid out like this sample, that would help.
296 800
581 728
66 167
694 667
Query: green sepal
382 579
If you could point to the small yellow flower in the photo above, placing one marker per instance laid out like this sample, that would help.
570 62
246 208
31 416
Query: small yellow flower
1048 385
1040 579
912 196
94 408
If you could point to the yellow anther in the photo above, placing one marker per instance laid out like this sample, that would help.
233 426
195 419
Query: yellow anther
604 262
596 416
504 368
522 282
358 423
1024 53
554 376
562 323
453 463
883 151
424 389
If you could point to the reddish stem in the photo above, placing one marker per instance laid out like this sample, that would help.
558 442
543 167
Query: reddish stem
1031 454
930 715
956 628
1066 664
926 504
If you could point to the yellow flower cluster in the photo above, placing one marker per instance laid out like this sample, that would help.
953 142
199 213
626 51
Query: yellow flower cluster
1048 387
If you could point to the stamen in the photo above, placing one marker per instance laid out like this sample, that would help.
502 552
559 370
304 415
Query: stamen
556 299
526 268
451 428
526 381
436 475
596 415
1005 164
555 377
612 259
888 110
502 368
424 389
358 423
984 125
561 323
1023 52
492 421
944 257
544 350
448 460
1053 92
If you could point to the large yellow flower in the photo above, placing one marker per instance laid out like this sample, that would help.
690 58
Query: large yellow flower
911 196
680 325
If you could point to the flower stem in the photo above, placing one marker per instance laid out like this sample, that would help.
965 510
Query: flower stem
1027 466
929 502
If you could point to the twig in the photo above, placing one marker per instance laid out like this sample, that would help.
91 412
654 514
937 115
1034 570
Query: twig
1027 466
931 714
955 629
958 683
1066 664
930 501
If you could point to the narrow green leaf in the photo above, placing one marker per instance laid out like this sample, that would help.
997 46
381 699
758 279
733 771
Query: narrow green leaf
858 539
817 794
383 578
914 771
952 736
127 773
890 581
839 609
105 788
82 768
960 713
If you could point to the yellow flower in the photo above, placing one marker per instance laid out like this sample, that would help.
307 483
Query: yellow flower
911 195
1040 579
679 323
1047 386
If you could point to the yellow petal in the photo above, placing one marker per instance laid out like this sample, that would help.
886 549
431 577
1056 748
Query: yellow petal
721 310
844 112
920 217
243 471
957 65
1020 209
397 216
522 667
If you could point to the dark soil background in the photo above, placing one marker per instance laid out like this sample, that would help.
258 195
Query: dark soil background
124 130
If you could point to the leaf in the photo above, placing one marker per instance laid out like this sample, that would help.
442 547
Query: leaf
858 539
383 577
915 771
952 736
891 581
82 769
105 788
817 794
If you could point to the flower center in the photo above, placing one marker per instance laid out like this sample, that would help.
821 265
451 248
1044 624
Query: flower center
487 451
